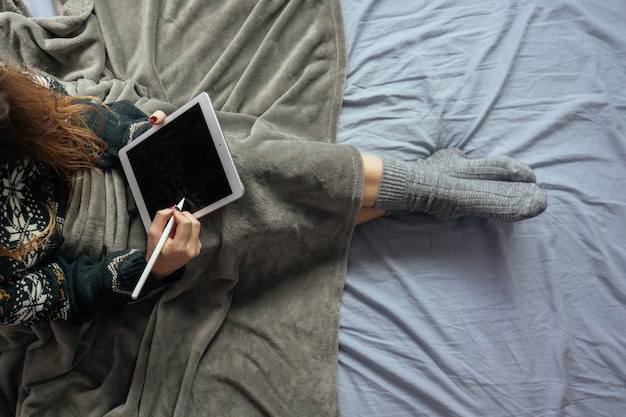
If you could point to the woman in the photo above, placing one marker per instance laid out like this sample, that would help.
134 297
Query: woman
48 137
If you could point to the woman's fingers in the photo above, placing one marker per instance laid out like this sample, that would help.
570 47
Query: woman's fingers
156 228
185 241
157 117
181 246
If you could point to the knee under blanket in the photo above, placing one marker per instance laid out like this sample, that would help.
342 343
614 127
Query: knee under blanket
252 327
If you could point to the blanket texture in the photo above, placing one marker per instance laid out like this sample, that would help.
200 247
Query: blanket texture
252 327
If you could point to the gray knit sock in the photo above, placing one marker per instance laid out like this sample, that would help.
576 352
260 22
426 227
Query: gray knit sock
449 185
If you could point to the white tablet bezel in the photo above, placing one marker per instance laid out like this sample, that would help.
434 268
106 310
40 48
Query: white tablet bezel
221 147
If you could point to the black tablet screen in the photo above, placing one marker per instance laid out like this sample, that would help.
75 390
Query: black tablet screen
179 160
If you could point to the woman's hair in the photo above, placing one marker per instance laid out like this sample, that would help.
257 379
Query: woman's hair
42 125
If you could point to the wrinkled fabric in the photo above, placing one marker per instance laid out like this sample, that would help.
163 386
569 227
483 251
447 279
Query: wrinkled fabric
252 327
471 317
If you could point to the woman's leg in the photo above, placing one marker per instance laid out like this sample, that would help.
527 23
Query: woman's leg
448 185
373 169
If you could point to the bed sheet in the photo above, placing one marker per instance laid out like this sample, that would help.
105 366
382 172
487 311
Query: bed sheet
41 8
475 317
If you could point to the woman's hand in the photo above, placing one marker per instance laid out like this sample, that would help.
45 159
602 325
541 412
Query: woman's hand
181 246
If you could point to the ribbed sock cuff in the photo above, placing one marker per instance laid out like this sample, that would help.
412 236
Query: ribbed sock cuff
392 194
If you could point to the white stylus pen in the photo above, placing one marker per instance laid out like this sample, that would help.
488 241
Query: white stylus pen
155 254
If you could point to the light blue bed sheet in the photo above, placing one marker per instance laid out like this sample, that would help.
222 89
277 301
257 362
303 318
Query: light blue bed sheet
41 8
475 317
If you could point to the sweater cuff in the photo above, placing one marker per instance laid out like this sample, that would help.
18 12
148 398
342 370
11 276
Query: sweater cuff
129 271
107 286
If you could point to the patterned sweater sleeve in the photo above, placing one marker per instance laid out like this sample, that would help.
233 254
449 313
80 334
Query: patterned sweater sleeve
103 286
75 291
118 124
46 287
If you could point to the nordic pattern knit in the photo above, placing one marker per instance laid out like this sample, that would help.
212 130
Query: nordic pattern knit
39 285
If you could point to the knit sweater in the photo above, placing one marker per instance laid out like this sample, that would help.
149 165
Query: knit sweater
39 284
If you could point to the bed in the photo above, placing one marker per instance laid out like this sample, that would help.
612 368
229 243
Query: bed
473 317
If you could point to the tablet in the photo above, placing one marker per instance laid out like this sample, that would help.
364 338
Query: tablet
186 156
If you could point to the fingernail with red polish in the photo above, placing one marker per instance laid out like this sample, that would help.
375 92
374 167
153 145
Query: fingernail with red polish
153 120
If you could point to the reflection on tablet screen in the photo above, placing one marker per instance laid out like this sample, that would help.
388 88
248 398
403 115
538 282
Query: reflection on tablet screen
180 160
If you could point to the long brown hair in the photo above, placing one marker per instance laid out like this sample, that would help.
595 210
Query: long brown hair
43 125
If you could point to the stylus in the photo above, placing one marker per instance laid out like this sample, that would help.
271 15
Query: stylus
155 254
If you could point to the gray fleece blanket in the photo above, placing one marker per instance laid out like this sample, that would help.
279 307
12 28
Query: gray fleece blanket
252 327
